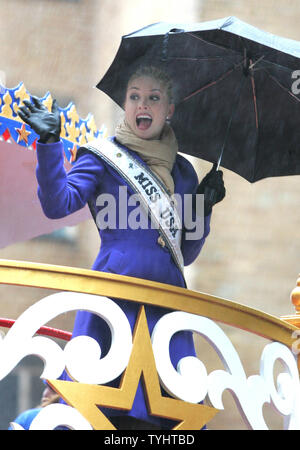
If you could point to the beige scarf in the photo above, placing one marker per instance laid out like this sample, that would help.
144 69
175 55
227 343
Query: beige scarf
159 154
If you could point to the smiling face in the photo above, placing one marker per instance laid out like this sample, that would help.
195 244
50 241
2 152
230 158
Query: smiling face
147 107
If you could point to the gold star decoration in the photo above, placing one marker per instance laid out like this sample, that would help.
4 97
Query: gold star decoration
86 397
23 134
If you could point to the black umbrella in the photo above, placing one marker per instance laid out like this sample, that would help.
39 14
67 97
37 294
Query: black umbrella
235 88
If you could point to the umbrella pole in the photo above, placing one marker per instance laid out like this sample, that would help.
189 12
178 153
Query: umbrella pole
220 159
210 194
234 109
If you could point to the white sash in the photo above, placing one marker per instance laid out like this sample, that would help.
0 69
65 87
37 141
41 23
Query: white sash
152 193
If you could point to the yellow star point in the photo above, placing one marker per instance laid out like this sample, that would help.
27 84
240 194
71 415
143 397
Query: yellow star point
86 398
73 152
48 102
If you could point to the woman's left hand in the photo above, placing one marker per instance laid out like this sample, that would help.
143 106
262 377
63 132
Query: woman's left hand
212 186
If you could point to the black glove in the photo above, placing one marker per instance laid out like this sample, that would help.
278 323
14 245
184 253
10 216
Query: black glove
46 124
212 186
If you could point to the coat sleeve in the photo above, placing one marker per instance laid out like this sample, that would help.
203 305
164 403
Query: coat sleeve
195 227
61 193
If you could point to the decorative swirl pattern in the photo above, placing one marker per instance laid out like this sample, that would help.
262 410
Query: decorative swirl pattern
81 355
286 398
190 381
56 415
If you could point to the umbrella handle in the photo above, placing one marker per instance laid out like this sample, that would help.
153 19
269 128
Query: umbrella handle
210 195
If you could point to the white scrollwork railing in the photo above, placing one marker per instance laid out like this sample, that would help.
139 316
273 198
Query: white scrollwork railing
81 355
189 381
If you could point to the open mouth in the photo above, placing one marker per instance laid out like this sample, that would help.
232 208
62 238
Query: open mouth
143 121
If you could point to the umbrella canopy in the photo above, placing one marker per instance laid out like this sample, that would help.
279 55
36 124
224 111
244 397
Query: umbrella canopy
233 91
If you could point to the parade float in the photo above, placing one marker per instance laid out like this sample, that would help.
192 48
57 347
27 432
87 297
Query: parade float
195 396
194 393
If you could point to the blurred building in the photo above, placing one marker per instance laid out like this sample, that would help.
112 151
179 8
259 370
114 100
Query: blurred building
252 253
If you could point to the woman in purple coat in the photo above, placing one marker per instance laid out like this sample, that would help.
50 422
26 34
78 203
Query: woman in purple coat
152 167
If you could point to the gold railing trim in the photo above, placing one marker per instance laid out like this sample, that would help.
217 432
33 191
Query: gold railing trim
64 278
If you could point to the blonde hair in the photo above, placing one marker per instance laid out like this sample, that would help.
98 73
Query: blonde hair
158 75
